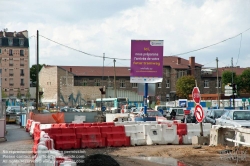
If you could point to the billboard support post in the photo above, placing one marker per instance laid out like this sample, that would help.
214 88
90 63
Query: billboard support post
145 98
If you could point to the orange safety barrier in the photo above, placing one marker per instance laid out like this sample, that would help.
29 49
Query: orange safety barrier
57 125
80 131
65 142
28 125
181 130
60 160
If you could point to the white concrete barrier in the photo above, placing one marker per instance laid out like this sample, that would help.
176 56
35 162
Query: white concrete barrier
169 134
153 134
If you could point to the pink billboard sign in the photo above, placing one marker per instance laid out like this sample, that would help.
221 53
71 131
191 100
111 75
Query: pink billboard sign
146 61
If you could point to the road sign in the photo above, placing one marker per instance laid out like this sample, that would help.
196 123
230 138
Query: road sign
228 92
103 108
199 113
228 87
196 95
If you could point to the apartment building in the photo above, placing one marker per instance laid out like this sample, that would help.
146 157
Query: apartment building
14 63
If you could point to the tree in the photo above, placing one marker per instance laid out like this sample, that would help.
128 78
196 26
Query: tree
4 95
33 73
184 86
19 95
227 77
244 81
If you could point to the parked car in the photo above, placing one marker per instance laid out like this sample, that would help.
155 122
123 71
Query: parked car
213 114
164 108
235 118
179 112
151 113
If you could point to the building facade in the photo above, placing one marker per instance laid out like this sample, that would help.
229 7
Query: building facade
14 63
75 84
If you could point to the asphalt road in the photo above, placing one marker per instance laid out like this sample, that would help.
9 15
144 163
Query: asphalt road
17 150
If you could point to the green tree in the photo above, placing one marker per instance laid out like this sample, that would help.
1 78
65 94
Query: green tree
33 73
4 95
27 95
19 95
227 77
184 86
244 81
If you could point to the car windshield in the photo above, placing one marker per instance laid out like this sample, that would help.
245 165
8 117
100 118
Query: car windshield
154 113
241 115
218 113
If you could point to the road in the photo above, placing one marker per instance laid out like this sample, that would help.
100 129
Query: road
16 151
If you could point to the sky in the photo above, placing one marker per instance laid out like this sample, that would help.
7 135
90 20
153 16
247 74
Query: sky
204 29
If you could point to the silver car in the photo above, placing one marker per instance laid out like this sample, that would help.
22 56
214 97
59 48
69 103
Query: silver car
235 118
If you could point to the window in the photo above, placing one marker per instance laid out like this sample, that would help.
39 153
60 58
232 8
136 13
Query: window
21 61
206 84
11 81
11 62
21 72
167 83
85 83
10 52
97 83
219 83
122 83
159 84
21 42
21 52
22 81
10 40
11 72
181 73
0 50
134 85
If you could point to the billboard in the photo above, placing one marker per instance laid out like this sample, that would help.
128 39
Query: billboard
146 61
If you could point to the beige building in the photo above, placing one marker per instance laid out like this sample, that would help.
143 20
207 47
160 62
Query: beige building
14 63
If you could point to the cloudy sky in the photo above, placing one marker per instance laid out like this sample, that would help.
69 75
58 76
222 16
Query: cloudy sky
108 26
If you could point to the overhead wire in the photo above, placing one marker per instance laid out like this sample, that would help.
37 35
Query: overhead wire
239 49
100 56
212 44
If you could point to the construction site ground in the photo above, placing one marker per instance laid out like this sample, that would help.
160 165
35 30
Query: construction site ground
187 155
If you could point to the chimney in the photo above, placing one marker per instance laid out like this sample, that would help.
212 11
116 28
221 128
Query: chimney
14 34
192 65
70 69
178 60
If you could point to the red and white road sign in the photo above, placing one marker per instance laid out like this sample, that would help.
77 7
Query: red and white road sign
196 95
199 113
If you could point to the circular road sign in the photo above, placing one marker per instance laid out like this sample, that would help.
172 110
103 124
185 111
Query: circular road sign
199 113
103 108
196 95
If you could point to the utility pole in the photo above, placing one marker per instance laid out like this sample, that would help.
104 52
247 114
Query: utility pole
233 83
37 71
102 77
218 95
115 80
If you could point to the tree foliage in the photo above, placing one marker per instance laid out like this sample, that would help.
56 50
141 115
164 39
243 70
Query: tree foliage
184 86
33 73
244 81
4 95
19 95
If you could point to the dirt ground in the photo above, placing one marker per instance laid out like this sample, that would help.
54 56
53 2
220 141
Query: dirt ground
186 155
18 139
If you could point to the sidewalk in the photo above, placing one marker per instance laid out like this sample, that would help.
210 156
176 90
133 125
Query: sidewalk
17 150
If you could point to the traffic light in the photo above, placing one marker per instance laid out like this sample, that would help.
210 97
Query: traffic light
102 90
234 88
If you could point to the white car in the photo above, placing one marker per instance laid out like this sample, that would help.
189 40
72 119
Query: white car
235 118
